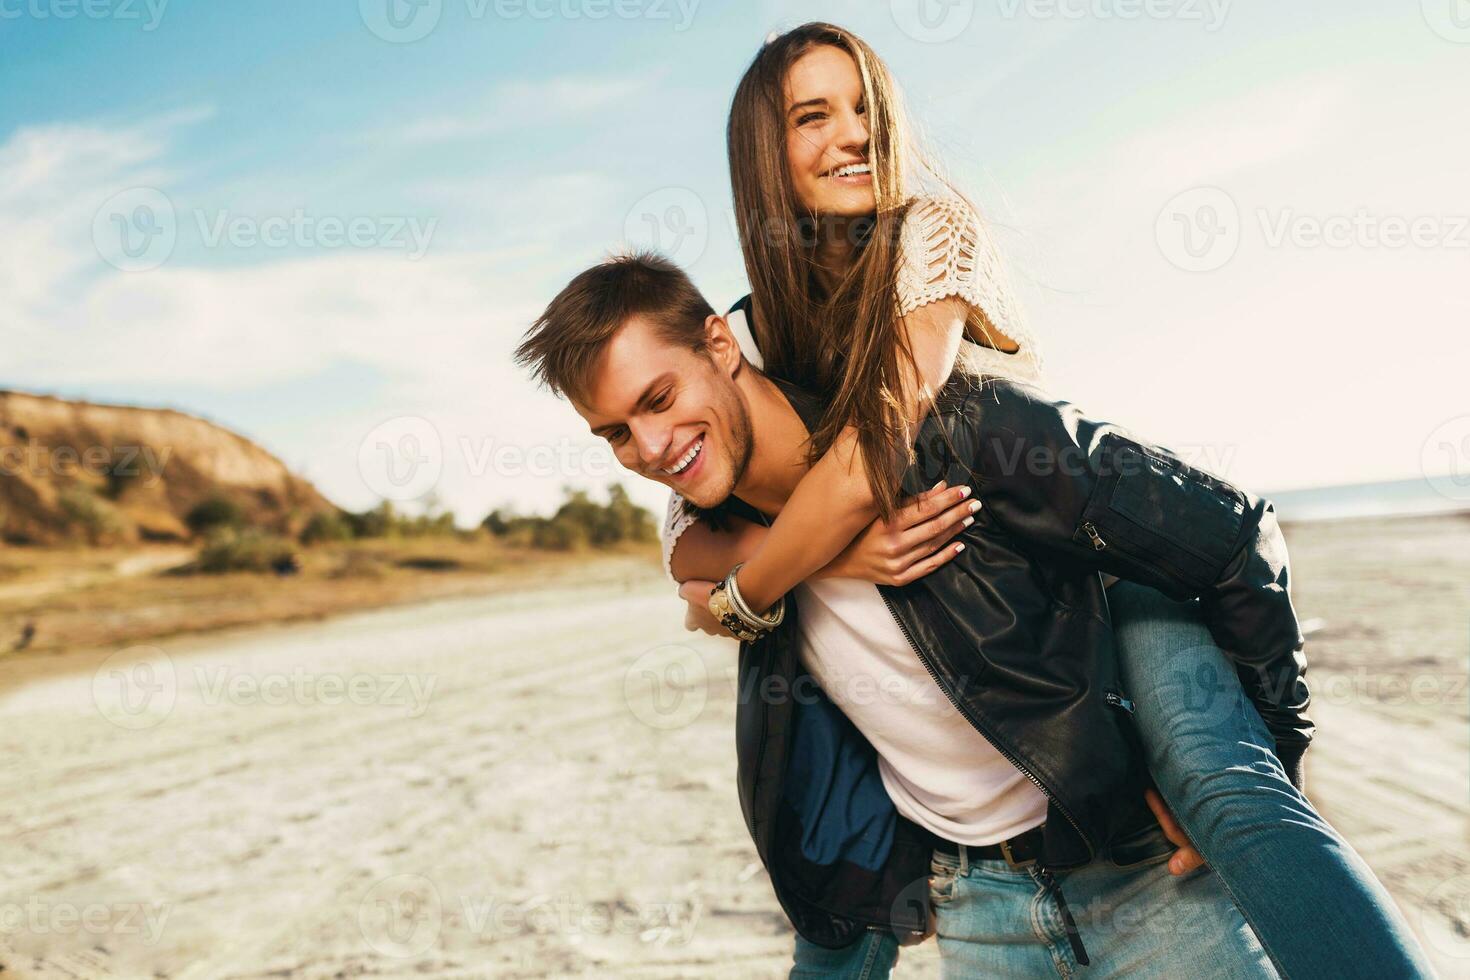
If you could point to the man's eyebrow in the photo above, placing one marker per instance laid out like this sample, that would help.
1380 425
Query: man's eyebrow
803 105
642 400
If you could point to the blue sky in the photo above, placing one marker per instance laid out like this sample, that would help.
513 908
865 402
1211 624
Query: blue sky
516 141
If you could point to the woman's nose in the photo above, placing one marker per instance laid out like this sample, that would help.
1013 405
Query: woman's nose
852 135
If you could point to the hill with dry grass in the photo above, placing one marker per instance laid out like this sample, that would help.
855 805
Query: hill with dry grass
78 472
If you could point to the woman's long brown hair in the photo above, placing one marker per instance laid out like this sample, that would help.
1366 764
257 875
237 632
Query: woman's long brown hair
846 344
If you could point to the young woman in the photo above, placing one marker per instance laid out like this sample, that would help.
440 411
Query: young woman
869 286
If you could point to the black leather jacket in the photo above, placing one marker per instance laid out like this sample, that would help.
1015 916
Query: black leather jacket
1016 632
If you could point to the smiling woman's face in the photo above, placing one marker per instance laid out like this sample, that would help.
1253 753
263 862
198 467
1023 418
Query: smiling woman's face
827 134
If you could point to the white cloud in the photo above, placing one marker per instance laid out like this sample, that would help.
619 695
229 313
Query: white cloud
440 330
510 105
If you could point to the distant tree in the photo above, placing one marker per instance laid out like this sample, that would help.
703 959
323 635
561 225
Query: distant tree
327 525
579 522
500 522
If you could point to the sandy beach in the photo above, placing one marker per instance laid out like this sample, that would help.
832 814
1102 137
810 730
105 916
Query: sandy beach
540 783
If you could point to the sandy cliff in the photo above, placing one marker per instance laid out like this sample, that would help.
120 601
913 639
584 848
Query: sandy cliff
76 471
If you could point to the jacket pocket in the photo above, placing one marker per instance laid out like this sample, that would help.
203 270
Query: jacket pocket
1162 513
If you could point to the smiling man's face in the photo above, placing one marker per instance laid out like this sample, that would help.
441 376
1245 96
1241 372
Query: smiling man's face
671 414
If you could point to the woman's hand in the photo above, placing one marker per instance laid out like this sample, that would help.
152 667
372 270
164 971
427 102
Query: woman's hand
698 618
914 543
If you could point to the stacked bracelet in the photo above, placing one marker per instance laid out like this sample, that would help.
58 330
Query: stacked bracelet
728 606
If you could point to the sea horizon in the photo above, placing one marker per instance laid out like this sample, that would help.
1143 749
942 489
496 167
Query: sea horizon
1382 498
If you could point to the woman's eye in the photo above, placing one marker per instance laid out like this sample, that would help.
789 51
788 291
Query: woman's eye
660 403
862 110
617 435
810 117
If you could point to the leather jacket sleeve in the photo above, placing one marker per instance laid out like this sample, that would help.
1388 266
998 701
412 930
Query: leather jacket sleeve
1050 476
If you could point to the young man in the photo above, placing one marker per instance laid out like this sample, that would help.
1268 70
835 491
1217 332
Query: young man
1013 726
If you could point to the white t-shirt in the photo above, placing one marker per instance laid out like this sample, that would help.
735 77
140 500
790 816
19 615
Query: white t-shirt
940 772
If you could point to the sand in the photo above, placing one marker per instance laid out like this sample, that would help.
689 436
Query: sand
541 784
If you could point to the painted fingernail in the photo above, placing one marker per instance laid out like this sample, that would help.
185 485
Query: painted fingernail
958 548
967 522
964 492
974 506
937 486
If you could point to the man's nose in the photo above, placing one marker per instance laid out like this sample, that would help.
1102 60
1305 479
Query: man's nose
652 441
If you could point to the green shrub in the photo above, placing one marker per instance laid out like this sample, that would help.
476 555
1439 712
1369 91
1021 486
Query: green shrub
89 516
555 535
248 550
384 521
579 522
326 526
212 513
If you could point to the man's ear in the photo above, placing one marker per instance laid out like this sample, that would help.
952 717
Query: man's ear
723 348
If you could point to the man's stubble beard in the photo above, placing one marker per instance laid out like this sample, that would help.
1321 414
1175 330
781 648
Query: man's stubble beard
742 447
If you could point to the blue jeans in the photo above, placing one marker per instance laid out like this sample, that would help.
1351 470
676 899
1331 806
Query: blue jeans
993 920
1314 903
870 958
1315 906
1138 921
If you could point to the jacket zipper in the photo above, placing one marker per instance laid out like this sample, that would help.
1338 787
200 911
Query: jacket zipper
1043 873
1098 544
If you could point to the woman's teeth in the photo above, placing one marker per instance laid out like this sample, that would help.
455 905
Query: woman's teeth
852 170
686 459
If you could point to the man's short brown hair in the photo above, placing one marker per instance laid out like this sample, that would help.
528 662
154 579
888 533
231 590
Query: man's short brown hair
566 340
